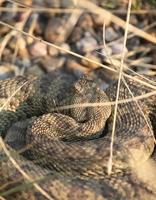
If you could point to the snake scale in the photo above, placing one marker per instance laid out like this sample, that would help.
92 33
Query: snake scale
67 150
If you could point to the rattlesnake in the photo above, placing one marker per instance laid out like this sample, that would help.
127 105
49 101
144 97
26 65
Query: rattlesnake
73 144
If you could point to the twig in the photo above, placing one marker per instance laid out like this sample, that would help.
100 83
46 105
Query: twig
109 16
78 55
118 89
25 175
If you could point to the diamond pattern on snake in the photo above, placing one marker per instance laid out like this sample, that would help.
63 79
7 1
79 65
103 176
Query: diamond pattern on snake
65 149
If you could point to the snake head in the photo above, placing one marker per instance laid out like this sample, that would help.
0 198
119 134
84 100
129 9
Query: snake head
84 84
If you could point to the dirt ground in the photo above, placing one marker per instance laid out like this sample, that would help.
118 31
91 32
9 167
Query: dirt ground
77 38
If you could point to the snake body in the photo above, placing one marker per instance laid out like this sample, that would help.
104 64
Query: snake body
73 145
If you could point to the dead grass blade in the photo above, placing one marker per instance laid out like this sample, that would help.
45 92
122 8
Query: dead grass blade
140 109
1 198
78 55
112 103
85 4
13 94
118 89
20 3
13 33
24 174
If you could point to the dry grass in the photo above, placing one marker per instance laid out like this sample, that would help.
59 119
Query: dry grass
93 9
118 89
23 173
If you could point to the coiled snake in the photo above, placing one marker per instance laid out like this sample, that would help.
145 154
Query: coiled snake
71 146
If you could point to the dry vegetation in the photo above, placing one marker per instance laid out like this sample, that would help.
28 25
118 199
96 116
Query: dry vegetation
108 40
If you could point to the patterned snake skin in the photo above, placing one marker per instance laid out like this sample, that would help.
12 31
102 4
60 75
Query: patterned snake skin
67 150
